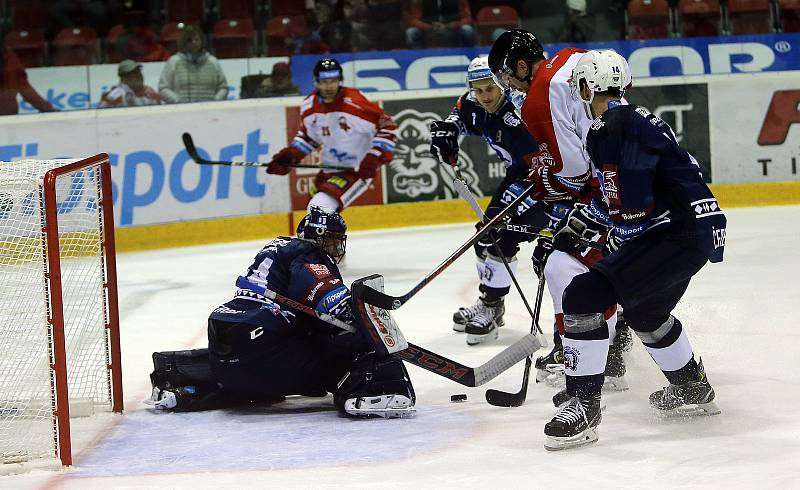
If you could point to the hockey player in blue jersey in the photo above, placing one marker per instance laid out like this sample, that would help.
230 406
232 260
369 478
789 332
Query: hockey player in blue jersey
486 111
665 226
259 350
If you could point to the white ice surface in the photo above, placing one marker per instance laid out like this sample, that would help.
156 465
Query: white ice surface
741 317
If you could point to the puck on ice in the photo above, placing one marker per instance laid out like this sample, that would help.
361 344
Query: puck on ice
458 398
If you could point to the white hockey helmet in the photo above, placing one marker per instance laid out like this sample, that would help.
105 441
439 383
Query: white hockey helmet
478 70
602 69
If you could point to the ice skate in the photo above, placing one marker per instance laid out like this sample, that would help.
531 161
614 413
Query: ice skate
483 325
550 368
467 313
574 424
163 399
386 406
695 398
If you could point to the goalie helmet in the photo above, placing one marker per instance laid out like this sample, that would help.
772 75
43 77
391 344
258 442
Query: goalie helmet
602 70
327 68
510 47
327 229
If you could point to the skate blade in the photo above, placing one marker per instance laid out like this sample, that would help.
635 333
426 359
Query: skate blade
588 436
690 410
459 327
473 339
615 383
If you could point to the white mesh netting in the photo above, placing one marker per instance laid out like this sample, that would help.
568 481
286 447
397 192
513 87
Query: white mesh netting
27 426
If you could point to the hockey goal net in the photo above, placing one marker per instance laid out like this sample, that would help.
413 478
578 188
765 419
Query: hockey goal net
59 322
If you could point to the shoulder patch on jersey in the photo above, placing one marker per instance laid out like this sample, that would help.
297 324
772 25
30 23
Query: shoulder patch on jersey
597 124
642 111
510 119
319 270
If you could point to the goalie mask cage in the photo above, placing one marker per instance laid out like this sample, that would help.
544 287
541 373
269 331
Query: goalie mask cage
59 321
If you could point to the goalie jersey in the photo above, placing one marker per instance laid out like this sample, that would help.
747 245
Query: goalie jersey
649 182
298 270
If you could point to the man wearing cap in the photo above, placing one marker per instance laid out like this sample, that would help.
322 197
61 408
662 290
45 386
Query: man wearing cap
131 90
279 82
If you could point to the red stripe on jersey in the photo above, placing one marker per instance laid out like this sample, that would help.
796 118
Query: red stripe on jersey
348 100
536 111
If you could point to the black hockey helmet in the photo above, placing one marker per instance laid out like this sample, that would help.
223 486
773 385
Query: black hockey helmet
327 68
327 229
510 47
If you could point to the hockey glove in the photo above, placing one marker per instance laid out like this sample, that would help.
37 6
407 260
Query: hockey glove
544 246
287 156
577 227
444 141
368 167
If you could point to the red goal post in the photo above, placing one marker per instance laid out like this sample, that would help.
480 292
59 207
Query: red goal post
59 316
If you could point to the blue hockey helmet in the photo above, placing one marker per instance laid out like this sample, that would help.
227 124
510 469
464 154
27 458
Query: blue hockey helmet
327 229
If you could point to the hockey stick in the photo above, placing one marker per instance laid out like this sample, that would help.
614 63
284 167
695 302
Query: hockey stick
387 302
192 151
433 362
461 188
460 185
503 399
547 233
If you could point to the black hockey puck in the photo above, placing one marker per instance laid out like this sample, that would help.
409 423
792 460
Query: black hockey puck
458 398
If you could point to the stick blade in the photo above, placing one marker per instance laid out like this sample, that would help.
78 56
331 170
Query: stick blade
502 399
190 148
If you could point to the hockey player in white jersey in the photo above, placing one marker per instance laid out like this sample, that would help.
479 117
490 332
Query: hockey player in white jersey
561 173
351 132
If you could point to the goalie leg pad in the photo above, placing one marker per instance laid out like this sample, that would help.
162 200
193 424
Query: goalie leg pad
180 368
376 387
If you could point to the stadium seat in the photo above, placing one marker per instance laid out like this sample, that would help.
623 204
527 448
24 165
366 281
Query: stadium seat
490 19
749 16
280 31
237 9
29 14
29 46
286 8
699 17
170 32
790 15
187 11
75 46
648 19
233 38
112 53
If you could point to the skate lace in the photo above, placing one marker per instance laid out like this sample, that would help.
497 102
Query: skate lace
471 311
484 315
571 413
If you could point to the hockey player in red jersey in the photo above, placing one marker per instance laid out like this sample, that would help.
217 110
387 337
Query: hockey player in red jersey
562 174
352 132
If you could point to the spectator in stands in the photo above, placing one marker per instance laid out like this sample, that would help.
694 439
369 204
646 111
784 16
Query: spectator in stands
192 74
577 27
13 81
279 83
131 90
138 41
376 24
439 23
92 13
